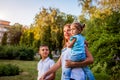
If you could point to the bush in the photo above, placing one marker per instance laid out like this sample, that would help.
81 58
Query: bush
8 52
102 76
26 53
16 52
9 70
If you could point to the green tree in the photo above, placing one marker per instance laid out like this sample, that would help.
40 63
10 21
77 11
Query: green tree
92 8
48 27
15 32
103 36
27 38
4 39
102 32
30 38
69 18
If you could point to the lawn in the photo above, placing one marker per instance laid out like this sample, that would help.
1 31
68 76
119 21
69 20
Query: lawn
29 70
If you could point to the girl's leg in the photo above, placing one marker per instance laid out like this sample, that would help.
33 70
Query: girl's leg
67 73
88 73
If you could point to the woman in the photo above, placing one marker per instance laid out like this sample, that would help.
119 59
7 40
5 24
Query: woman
77 72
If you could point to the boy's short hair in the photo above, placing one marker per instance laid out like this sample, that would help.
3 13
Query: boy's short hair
44 45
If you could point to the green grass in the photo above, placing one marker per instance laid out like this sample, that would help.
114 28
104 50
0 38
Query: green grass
29 69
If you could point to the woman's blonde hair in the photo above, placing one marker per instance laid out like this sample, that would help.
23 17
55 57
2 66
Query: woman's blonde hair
65 40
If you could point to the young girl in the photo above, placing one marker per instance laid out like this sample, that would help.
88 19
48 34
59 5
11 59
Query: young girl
45 63
77 43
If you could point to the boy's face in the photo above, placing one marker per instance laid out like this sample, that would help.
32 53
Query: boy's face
44 51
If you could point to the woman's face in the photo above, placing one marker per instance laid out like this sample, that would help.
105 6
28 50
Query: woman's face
67 32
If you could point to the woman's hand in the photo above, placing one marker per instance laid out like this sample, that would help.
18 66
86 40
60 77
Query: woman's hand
69 63
89 60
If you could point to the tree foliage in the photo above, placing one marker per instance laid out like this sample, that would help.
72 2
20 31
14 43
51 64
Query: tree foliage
4 39
48 27
14 34
95 7
102 18
27 38
104 38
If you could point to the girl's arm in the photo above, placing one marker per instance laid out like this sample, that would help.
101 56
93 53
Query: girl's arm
89 60
53 69
71 43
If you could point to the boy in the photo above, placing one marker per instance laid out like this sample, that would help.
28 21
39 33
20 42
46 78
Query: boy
45 63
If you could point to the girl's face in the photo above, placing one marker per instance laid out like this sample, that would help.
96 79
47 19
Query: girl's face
44 51
67 32
74 30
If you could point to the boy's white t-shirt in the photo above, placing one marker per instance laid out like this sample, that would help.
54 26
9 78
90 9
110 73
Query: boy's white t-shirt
44 66
76 73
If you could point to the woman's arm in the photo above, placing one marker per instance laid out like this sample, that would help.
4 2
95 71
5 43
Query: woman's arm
53 69
89 60
51 77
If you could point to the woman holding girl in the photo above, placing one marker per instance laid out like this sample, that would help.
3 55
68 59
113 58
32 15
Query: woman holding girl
77 72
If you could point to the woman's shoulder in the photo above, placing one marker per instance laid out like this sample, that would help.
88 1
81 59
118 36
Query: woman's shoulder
65 49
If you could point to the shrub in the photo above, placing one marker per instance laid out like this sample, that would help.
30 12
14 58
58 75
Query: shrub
101 76
9 70
8 52
26 53
16 52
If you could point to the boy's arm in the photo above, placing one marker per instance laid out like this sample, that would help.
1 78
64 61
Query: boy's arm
51 77
71 43
53 69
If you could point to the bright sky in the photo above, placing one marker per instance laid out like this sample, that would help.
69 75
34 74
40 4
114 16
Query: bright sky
24 11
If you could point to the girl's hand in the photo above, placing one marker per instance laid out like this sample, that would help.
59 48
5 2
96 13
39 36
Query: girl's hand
67 43
42 77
